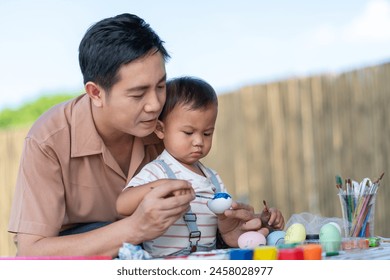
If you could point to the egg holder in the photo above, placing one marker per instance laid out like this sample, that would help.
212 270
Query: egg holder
359 243
346 244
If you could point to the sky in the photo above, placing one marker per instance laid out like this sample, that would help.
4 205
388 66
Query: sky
230 44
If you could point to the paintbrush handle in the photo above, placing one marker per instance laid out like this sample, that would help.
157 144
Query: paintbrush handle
201 196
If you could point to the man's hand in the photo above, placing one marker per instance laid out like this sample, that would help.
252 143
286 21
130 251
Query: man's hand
160 208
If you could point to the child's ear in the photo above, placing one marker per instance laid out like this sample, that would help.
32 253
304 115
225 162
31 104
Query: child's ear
159 129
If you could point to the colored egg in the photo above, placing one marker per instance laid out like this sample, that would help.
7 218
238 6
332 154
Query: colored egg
296 233
336 225
330 238
276 237
251 239
220 202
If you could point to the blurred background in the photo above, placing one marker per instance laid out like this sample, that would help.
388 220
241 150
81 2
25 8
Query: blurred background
303 89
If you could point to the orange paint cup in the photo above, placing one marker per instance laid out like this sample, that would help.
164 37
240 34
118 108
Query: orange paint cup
312 252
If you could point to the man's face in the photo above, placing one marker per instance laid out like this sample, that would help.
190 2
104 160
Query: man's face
136 100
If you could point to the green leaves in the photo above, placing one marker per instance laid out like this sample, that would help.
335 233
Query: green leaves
29 112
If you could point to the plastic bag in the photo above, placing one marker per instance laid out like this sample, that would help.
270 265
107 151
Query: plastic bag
132 252
313 223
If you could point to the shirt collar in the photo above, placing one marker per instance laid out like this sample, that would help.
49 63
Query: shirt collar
86 140
84 137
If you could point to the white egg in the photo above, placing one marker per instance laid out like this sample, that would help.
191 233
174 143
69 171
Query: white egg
220 202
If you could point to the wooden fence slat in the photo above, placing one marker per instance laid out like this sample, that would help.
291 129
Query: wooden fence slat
11 145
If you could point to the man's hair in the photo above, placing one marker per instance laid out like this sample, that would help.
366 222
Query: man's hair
113 42
192 91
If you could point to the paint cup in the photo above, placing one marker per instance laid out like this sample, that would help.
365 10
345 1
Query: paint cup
291 254
265 253
312 252
358 214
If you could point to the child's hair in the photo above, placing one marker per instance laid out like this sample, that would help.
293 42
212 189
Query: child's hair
188 91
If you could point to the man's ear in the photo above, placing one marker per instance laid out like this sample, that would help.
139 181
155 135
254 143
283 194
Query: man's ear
95 93
159 129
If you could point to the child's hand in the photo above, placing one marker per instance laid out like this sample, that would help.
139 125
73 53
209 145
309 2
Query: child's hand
181 192
275 220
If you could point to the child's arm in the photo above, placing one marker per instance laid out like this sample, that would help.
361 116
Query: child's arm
131 197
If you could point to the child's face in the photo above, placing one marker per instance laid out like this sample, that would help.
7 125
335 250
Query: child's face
188 133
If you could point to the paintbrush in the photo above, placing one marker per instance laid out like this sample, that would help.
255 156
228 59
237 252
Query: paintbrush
265 215
201 196
339 184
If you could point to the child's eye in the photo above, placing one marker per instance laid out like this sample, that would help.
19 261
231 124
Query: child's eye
188 132
208 133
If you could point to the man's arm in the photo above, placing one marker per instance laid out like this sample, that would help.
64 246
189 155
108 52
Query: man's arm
156 212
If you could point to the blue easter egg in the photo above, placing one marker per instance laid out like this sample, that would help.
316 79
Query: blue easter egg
276 237
222 195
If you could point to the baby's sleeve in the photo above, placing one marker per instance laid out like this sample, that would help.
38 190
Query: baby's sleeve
149 173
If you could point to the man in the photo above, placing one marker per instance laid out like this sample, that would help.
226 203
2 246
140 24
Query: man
79 155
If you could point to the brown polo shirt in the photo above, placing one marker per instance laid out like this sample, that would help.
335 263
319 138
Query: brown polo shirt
67 175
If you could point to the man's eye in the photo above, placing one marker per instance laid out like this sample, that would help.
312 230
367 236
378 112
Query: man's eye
137 95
